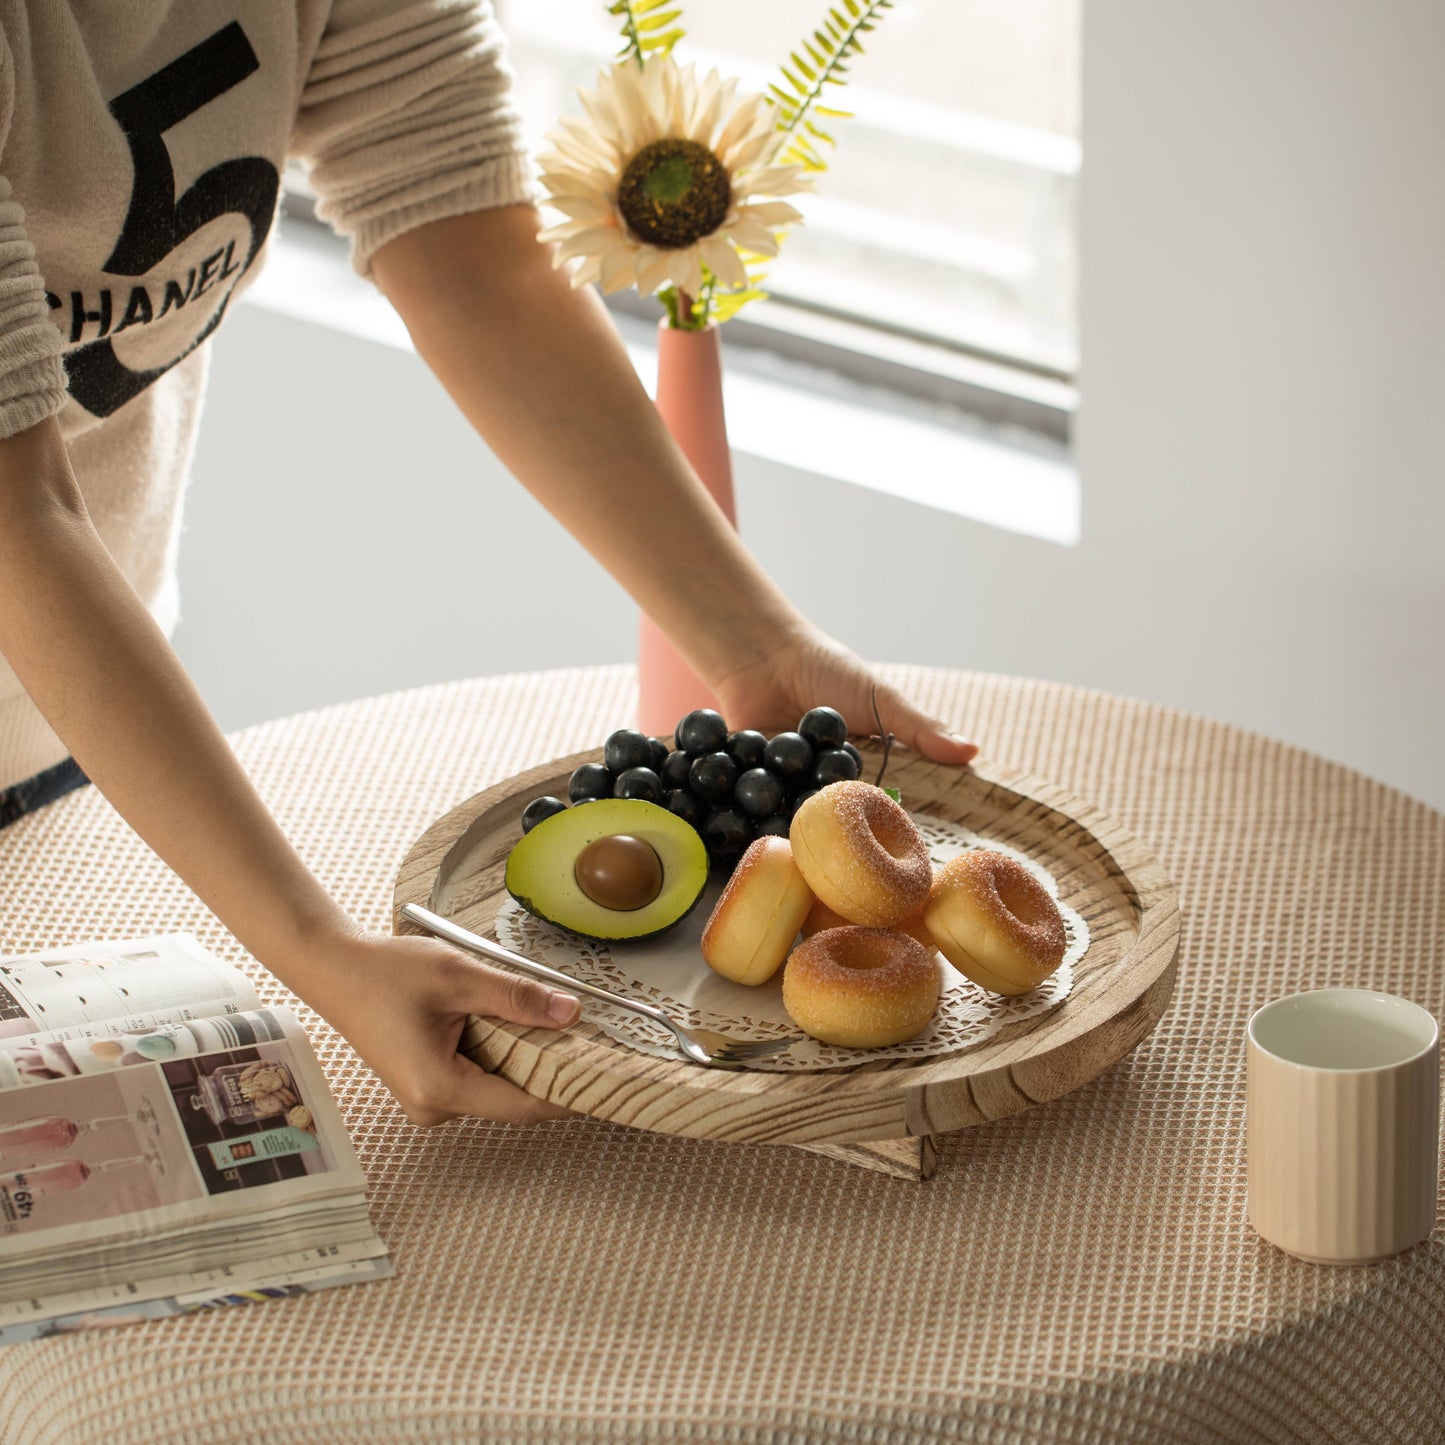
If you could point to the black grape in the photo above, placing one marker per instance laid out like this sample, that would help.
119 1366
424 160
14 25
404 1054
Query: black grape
538 809
790 757
824 728
712 777
726 831
701 731
834 766
747 748
640 783
688 806
758 793
591 780
675 768
627 748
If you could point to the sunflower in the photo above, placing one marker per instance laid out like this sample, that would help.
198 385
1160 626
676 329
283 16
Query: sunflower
669 175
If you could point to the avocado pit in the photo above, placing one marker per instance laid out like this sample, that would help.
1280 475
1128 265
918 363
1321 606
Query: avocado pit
620 872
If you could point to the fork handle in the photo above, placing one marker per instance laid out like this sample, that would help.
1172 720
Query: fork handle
495 953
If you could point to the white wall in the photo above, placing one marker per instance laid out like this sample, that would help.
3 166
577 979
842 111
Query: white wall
1263 312
1263 465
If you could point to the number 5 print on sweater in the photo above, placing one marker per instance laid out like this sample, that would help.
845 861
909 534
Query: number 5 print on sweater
156 223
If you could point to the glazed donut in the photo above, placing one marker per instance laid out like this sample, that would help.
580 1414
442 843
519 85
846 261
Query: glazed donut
861 987
860 853
820 916
757 918
994 921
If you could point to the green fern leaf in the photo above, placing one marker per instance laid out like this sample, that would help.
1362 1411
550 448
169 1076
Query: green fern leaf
832 46
647 29
727 304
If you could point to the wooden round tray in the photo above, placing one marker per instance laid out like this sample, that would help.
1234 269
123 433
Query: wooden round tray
1121 986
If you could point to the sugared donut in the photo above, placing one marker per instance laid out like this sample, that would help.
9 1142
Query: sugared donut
758 916
860 853
861 987
994 921
820 916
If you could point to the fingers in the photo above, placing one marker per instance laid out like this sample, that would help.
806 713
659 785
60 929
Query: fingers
927 735
454 1085
936 741
497 994
428 1077
466 1090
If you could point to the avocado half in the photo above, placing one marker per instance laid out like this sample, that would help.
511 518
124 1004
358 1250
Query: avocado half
540 868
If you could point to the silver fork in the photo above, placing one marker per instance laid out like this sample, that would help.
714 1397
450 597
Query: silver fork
702 1046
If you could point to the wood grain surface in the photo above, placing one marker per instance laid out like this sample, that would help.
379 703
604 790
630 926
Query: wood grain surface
880 1112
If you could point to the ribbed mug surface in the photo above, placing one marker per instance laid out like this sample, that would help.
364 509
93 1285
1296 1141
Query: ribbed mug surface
1343 1124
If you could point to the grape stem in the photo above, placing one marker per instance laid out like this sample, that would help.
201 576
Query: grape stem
885 738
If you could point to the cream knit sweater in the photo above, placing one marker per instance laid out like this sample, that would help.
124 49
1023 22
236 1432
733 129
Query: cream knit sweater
141 144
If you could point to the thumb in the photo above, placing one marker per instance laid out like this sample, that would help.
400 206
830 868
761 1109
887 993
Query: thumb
501 995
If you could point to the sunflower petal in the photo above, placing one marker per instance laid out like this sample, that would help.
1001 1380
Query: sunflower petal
751 152
777 181
590 239
684 269
652 269
617 269
581 208
723 260
589 270
753 235
774 213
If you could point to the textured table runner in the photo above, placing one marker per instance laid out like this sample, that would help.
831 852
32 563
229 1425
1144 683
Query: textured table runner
1083 1271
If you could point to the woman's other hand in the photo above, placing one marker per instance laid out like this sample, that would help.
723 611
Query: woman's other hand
812 670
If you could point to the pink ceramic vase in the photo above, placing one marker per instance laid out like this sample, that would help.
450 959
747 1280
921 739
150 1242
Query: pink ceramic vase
689 399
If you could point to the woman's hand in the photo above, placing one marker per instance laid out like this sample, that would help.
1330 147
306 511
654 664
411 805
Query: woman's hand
812 670
402 1004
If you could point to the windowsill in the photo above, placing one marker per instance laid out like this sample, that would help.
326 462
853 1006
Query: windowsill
779 410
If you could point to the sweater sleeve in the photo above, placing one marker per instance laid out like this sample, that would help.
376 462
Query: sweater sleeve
406 117
32 374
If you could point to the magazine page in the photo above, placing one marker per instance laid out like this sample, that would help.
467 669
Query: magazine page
120 1043
214 1289
168 975
124 1145
253 1241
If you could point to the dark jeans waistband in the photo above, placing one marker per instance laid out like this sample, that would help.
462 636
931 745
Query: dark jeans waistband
32 793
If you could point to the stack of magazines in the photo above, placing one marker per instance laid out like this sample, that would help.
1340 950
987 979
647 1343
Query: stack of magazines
166 1144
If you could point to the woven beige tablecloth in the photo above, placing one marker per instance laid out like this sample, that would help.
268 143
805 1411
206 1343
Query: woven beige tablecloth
1081 1272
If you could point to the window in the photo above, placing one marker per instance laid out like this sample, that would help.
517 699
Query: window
947 213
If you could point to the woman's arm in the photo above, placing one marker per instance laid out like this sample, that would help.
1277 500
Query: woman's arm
101 671
539 370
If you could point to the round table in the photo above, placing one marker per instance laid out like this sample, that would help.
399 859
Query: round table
1083 1271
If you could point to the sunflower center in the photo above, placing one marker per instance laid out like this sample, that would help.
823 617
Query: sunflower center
674 192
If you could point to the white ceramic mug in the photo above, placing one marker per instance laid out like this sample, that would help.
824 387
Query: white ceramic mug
1343 1121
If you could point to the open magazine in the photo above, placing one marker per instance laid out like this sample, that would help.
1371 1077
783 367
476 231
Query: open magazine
166 1144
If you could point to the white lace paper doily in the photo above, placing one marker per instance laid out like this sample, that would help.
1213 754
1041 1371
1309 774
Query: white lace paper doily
669 972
